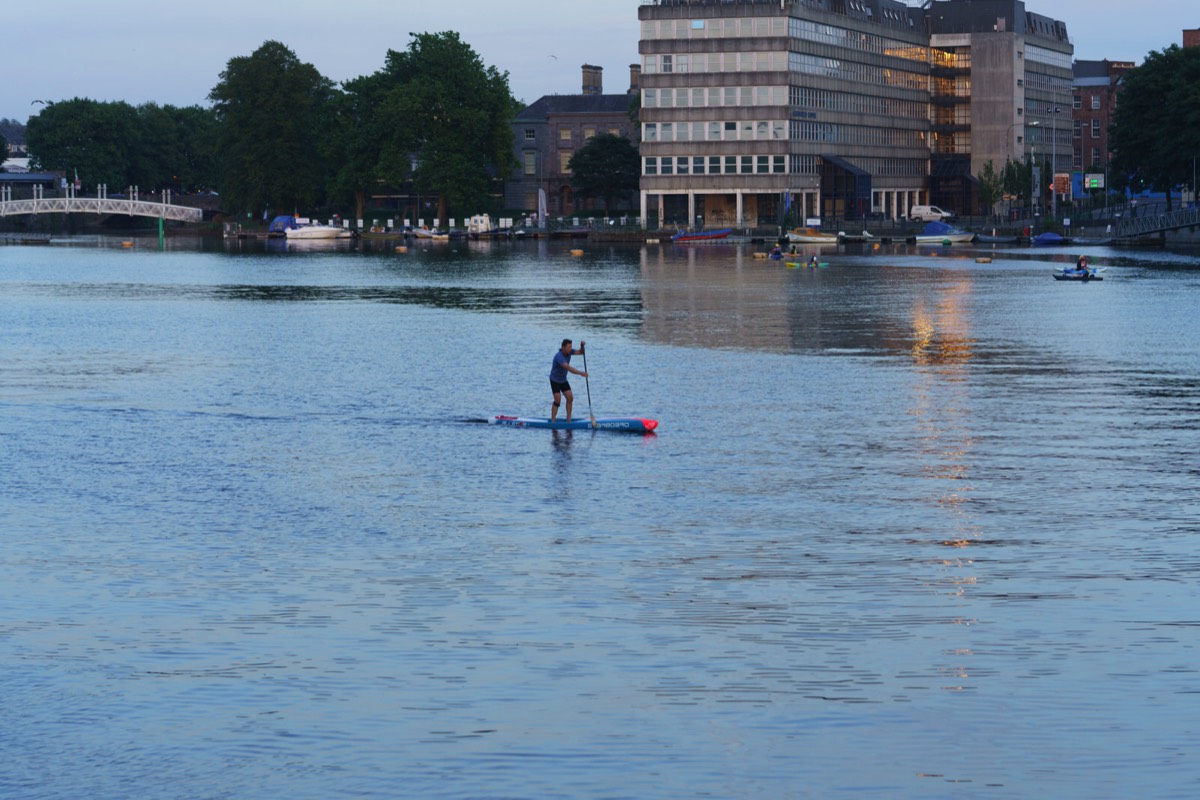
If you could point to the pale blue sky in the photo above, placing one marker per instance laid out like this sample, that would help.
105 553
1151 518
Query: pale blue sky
167 51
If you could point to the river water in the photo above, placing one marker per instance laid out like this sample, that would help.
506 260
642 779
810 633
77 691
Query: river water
912 527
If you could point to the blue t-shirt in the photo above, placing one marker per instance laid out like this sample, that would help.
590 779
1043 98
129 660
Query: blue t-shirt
558 370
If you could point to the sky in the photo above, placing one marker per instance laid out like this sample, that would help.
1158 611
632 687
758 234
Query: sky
170 52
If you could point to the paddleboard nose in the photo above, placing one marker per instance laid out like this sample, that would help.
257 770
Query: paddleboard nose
650 424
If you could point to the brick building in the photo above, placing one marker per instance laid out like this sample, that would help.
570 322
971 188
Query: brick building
1097 84
547 133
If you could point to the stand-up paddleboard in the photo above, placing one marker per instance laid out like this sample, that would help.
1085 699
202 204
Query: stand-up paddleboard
627 424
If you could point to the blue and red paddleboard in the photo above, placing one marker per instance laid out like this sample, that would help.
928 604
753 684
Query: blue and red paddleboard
627 424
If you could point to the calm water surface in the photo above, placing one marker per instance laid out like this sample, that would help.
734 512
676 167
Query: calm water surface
913 527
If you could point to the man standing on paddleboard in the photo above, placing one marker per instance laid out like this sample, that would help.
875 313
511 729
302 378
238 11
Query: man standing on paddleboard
558 376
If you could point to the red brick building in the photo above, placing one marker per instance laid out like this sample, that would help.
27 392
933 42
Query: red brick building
1096 86
1191 38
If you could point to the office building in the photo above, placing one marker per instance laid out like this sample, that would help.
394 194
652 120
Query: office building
841 108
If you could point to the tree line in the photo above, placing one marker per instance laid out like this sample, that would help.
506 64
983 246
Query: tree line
279 136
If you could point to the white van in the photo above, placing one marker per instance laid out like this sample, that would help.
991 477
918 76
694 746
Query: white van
929 214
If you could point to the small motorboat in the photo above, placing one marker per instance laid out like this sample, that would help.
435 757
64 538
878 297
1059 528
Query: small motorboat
811 236
941 233
1080 275
683 237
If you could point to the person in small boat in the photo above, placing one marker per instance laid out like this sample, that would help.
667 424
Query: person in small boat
558 376
812 262
776 254
1081 266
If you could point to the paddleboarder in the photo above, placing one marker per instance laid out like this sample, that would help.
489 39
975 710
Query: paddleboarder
558 376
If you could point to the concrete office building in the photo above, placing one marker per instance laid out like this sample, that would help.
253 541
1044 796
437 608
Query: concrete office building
840 108
1002 89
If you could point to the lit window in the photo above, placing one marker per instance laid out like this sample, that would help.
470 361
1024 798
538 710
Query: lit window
564 134
530 163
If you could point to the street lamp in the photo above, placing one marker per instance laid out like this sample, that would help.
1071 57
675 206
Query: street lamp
1053 163
1033 174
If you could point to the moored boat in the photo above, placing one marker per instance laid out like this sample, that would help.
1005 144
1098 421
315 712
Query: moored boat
811 236
941 233
317 231
701 236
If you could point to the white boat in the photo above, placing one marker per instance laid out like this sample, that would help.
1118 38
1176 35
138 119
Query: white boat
811 236
317 231
941 233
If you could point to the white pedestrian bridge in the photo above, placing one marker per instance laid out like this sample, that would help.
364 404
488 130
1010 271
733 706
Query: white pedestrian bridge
72 203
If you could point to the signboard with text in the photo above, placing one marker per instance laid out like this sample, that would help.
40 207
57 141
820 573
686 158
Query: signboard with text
1093 180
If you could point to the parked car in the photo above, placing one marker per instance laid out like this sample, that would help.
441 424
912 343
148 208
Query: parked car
929 214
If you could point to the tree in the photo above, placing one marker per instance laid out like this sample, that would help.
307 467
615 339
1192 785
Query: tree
608 167
445 121
1156 128
87 138
270 109
3 151
991 186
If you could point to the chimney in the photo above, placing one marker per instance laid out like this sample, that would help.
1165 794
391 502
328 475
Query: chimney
593 80
635 78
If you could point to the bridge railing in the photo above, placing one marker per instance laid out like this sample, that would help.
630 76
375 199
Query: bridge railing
70 203
1146 226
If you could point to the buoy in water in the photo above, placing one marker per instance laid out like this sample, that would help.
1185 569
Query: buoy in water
983 261
576 252
401 249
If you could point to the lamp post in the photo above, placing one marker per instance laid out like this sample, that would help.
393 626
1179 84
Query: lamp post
1033 178
1053 163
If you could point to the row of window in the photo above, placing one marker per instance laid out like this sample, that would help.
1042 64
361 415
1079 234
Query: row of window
1047 83
1095 128
1095 100
853 71
567 134
777 130
740 27
715 97
726 131
752 61
778 165
715 165
1078 158
802 97
856 40
856 135
1043 56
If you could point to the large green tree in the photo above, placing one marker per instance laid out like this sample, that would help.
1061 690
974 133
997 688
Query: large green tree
150 147
88 138
272 110
3 151
608 167
445 121
1156 128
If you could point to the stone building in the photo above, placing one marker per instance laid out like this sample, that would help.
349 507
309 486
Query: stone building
547 133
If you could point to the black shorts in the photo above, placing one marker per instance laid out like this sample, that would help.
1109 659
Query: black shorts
559 386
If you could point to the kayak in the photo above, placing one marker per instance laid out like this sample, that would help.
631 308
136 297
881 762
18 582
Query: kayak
627 424
805 265
1071 276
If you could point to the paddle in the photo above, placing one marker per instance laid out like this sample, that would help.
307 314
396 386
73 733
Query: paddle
588 386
